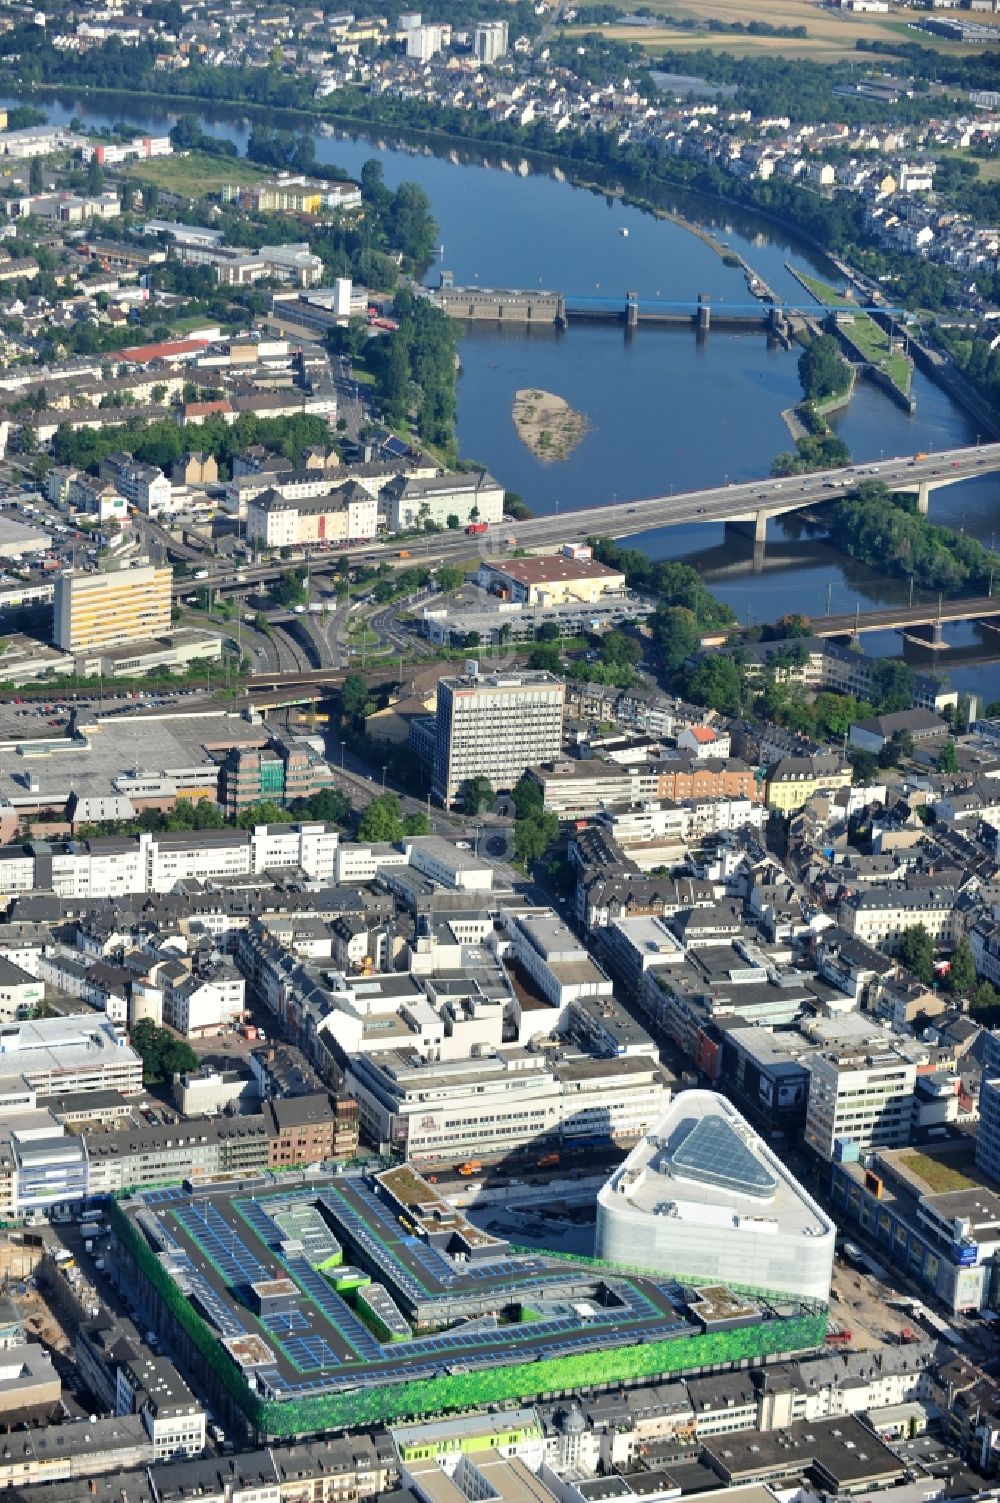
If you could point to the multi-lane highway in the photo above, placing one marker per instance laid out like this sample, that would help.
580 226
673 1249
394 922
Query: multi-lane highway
750 501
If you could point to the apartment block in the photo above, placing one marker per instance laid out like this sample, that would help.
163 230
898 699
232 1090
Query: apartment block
95 611
411 501
879 916
346 514
142 484
312 1129
490 41
174 1420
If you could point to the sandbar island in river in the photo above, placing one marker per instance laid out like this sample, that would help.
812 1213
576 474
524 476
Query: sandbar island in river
547 424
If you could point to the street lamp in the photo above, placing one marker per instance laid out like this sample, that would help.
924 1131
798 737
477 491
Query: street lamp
342 745
384 767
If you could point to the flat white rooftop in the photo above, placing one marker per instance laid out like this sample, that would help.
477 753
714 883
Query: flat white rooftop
703 1163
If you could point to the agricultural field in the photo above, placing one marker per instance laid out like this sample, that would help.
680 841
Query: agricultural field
831 35
193 174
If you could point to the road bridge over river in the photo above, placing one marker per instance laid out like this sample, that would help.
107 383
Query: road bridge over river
744 505
905 617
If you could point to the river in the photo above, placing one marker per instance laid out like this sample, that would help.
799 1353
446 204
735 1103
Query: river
664 407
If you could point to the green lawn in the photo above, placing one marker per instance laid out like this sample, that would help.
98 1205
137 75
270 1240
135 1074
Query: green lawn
195 174
940 1175
989 167
870 337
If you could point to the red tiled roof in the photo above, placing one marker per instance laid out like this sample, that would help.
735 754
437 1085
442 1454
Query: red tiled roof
205 409
170 349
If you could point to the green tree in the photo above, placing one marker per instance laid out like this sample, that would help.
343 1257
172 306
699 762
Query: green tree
329 805
95 176
896 750
865 764
393 384
891 685
354 697
947 758
411 225
291 588
984 996
477 795
962 976
534 836
416 823
161 1053
618 650
266 813
449 577
916 951
717 682
36 177
528 798
823 371
676 634
546 658
836 713
382 820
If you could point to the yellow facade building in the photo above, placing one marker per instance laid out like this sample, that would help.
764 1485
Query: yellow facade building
94 611
559 579
793 781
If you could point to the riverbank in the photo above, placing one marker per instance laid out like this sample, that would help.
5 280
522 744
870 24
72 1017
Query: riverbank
797 418
615 186
580 172
667 408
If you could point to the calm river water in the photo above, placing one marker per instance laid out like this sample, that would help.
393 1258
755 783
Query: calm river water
665 408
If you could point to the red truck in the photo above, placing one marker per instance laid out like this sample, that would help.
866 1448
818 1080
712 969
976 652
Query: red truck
474 528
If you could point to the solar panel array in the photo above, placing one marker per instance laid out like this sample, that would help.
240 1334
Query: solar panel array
304 1224
324 1344
223 1244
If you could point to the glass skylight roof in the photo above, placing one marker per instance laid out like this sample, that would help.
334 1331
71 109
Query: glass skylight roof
714 1154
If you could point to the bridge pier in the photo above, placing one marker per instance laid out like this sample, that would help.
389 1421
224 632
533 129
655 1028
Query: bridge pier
704 313
923 498
631 310
930 636
755 527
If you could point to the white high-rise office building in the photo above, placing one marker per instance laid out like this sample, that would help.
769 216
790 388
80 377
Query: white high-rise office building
862 1095
494 726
